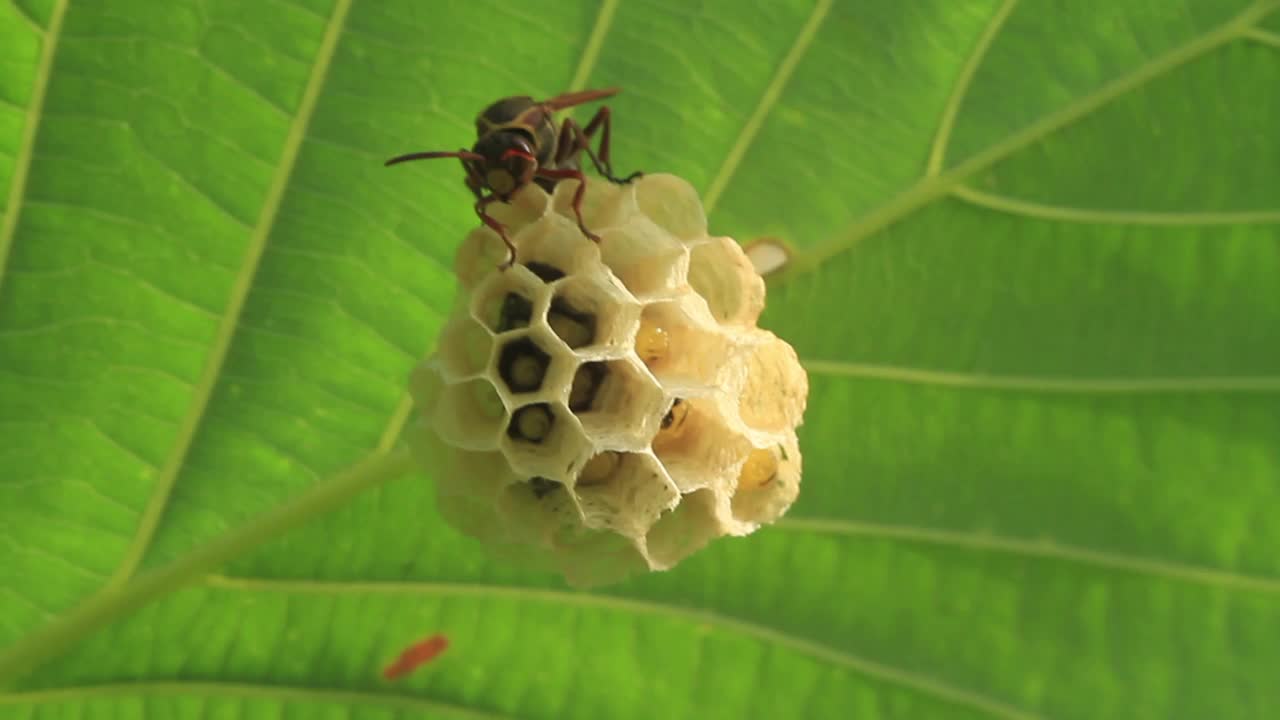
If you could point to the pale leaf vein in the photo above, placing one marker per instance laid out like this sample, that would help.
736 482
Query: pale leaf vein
203 391
871 668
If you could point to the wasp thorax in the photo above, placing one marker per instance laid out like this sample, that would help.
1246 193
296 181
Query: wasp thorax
603 408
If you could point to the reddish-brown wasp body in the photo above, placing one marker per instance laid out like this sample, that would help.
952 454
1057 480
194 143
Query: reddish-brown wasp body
518 142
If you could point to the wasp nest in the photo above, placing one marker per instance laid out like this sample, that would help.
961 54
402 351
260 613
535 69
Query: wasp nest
602 409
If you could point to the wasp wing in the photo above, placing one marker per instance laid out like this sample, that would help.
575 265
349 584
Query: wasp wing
568 100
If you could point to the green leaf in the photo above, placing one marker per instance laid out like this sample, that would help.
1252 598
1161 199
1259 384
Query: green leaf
1034 279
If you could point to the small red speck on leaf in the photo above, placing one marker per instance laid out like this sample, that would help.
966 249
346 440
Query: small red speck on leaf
415 656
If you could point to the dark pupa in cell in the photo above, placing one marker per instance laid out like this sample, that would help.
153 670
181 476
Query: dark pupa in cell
531 423
523 365
543 486
575 328
546 273
516 312
586 383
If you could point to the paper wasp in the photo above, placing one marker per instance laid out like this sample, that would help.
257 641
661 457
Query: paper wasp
518 143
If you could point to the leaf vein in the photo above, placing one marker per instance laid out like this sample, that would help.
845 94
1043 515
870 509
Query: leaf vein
1044 549
768 100
286 693
591 50
1046 384
928 189
952 110
29 19
871 668
1266 37
26 146
1040 211
150 520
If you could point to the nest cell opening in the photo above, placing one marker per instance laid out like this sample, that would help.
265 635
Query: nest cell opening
604 204
645 258
533 510
468 485
523 365
624 492
543 439
508 300
679 344
684 530
469 415
465 346
590 558
527 206
553 247
671 202
697 447
768 483
617 402
775 387
588 314
546 273
722 274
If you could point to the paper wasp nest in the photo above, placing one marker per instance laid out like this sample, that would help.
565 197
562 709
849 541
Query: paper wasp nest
603 409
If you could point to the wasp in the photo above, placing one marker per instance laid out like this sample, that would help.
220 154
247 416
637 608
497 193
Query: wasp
518 142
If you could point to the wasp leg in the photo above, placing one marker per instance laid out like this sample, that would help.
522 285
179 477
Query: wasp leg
570 174
497 227
578 137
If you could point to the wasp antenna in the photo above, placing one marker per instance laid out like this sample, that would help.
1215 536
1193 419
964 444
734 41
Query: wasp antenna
432 155
569 99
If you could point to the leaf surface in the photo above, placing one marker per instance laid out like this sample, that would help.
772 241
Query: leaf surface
1034 279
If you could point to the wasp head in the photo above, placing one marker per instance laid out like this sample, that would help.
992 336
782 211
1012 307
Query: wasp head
509 162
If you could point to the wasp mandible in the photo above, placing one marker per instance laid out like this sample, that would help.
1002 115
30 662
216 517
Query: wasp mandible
518 143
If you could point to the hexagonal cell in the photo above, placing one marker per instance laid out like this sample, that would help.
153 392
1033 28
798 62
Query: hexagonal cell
589 558
478 256
604 204
535 508
649 261
475 474
696 446
509 300
469 415
531 366
467 488
672 203
527 205
545 272
522 365
723 275
544 440
679 342
593 316
554 247
624 492
768 483
618 403
464 348
684 530
774 386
